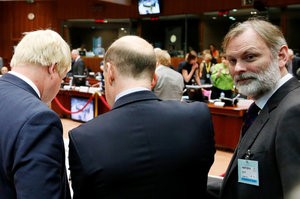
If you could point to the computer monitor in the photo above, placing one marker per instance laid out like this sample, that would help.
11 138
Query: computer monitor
86 114
148 7
82 52
79 80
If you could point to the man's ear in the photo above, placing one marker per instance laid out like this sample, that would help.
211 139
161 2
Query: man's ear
283 56
154 81
52 69
110 73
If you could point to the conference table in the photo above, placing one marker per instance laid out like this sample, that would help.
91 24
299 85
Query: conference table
227 120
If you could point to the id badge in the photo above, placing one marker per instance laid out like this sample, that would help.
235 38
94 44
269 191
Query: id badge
248 172
207 76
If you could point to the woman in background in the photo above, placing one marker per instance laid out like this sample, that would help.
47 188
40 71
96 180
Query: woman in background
214 53
221 80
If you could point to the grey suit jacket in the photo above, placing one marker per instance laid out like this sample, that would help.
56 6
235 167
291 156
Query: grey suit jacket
143 148
78 67
169 84
274 141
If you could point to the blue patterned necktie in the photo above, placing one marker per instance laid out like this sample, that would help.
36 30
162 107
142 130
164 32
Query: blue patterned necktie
250 117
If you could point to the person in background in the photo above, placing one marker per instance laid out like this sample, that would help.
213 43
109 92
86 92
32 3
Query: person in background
293 64
32 150
154 149
78 66
205 70
190 69
190 73
1 62
222 80
82 50
183 63
169 85
4 70
214 52
266 162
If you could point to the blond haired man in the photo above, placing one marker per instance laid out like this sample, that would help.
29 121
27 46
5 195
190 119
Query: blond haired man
32 155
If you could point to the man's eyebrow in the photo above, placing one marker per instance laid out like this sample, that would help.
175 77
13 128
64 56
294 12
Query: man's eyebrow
244 52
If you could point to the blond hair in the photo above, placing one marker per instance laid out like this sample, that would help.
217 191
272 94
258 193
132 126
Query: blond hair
44 48
162 57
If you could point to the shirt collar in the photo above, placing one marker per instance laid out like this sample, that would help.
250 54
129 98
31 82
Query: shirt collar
27 80
131 90
261 102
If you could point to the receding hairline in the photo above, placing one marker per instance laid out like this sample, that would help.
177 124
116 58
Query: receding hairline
132 43
262 28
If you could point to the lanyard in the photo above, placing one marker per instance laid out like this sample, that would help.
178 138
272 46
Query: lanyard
207 66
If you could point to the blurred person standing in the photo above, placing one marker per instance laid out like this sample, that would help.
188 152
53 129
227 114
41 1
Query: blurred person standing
31 144
154 149
221 80
215 54
293 64
267 159
206 68
1 62
78 66
169 84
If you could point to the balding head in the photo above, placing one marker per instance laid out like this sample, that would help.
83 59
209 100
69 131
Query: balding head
128 63
132 56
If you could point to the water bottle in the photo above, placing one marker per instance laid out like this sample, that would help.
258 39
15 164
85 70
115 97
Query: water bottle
71 82
222 95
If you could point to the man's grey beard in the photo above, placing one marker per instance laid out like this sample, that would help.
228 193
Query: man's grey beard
261 82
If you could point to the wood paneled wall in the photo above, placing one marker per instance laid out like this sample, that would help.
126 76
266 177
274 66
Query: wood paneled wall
51 14
14 22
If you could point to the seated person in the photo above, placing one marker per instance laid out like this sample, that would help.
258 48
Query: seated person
169 85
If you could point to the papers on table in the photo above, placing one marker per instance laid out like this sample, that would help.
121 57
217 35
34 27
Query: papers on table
198 86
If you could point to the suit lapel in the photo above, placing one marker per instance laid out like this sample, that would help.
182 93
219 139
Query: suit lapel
254 130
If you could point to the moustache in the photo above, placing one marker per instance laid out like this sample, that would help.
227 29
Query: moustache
245 76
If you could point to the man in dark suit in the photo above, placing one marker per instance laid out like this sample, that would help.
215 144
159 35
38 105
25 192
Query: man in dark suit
143 147
267 159
77 63
32 159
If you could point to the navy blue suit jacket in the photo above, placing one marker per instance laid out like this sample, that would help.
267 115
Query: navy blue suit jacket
32 159
143 148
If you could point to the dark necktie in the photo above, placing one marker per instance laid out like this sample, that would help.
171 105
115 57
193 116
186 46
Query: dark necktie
250 117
